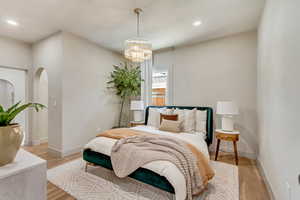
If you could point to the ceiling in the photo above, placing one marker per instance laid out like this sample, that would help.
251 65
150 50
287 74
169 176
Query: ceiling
166 23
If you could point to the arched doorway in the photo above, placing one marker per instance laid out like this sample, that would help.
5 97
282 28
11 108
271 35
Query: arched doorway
41 96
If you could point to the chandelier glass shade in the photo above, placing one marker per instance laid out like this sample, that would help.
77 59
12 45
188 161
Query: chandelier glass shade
138 49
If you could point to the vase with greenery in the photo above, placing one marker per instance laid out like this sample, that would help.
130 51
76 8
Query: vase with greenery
11 135
126 81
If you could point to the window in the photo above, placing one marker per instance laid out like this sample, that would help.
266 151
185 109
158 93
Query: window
159 88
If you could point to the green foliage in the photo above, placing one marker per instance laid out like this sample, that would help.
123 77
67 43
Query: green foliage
126 82
7 116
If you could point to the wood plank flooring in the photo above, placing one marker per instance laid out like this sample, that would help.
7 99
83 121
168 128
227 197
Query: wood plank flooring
252 186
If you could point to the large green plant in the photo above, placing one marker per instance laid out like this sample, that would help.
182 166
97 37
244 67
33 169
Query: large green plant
126 82
7 116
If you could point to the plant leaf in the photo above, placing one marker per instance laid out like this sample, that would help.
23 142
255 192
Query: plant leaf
13 107
17 110
3 118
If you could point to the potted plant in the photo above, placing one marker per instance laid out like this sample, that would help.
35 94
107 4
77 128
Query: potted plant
11 135
126 82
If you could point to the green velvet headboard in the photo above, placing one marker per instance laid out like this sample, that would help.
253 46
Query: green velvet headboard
209 124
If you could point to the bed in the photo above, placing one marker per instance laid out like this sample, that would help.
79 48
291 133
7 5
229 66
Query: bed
154 173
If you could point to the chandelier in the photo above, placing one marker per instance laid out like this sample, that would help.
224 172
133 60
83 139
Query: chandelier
138 49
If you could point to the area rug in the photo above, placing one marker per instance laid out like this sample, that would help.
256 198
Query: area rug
102 184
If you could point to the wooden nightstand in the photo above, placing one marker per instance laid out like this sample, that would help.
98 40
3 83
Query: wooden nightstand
133 124
227 136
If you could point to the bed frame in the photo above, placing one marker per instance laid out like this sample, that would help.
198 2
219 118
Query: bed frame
142 174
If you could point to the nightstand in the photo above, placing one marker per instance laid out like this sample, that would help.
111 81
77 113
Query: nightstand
227 136
133 123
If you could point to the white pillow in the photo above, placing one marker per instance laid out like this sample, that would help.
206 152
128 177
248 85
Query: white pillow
180 114
167 111
154 116
188 119
201 117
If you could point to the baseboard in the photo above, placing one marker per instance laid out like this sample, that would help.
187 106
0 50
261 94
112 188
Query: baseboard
72 151
55 152
263 174
44 140
35 142
39 141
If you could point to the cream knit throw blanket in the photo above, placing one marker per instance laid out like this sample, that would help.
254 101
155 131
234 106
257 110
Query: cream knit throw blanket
137 148
128 154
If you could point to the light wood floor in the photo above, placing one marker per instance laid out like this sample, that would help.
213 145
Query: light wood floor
252 186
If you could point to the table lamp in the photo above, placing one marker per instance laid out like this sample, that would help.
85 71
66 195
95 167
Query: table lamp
137 107
227 109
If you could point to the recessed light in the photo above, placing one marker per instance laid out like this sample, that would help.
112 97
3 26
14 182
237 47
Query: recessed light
12 22
197 23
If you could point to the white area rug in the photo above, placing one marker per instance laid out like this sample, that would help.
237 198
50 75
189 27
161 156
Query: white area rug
102 184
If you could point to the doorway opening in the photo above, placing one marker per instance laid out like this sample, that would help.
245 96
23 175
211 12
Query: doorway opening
41 96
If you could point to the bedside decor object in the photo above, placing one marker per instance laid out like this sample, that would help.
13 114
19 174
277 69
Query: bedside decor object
126 82
137 107
11 134
227 109
232 136
138 49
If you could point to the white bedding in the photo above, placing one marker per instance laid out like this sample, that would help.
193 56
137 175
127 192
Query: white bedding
164 168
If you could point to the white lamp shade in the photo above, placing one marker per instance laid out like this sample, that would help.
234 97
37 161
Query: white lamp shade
137 105
227 108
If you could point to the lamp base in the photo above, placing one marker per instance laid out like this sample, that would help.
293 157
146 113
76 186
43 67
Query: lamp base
137 115
227 124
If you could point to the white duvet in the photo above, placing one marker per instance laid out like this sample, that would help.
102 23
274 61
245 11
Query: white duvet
164 168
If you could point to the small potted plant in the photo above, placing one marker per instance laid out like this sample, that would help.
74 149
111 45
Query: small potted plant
11 134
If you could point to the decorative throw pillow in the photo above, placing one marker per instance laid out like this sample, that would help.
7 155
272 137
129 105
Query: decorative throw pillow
188 119
168 117
154 116
201 117
171 126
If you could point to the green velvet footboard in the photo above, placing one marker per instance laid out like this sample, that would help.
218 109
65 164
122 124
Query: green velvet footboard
141 174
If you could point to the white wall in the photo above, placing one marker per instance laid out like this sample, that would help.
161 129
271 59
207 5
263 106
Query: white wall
15 54
221 69
88 107
48 54
79 104
278 97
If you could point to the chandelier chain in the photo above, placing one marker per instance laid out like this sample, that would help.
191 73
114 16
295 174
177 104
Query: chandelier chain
138 25
137 11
